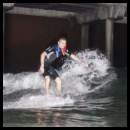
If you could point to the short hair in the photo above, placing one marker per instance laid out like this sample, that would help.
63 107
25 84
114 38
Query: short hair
63 38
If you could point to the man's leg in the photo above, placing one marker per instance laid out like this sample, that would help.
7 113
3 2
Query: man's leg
58 86
47 84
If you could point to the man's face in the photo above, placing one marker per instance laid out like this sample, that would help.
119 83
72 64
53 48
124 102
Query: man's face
62 43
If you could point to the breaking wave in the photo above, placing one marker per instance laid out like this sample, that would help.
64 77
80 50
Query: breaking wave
26 89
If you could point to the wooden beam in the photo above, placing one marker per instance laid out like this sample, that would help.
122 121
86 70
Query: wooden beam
84 36
109 39
40 12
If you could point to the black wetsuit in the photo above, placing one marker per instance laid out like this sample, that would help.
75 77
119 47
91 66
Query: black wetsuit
54 60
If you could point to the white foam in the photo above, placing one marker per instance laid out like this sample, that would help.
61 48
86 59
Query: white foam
39 101
77 80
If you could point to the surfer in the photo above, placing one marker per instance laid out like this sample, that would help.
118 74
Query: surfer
51 60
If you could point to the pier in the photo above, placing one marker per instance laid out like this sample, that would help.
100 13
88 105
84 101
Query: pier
29 28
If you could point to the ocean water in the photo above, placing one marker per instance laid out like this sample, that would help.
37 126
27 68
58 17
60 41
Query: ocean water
94 94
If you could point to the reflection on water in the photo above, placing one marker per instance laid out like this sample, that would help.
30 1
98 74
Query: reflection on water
108 112
53 118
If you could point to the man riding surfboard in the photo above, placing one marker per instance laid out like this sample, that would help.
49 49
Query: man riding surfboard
51 60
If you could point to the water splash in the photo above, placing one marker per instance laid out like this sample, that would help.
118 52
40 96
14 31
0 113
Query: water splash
26 90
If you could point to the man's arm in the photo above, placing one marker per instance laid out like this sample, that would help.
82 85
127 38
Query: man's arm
72 56
75 58
42 58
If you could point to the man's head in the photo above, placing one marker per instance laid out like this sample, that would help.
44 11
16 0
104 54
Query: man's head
62 42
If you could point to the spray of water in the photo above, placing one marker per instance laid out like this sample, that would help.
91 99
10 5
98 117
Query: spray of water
26 89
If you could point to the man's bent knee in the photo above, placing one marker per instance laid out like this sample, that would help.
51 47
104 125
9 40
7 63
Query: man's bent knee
47 77
58 80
